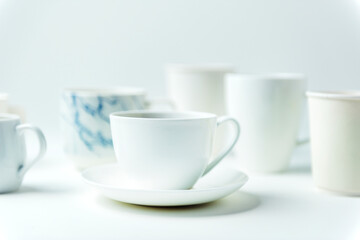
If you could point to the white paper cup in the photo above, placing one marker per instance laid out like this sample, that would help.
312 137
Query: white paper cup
335 140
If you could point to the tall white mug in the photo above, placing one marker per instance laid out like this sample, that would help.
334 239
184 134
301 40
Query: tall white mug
199 88
268 107
335 140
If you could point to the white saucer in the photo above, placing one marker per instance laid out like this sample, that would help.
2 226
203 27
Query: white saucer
108 179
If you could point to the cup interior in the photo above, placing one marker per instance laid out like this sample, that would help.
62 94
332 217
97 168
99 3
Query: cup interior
150 115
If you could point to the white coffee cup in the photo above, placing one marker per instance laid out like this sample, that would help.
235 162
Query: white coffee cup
13 151
268 107
85 121
199 88
335 140
167 150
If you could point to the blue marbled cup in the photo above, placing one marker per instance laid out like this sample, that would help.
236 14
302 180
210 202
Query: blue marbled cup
85 122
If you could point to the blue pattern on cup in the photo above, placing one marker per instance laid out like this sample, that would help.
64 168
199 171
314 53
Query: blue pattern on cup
85 121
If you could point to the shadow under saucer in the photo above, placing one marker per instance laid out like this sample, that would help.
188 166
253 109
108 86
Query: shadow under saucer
235 203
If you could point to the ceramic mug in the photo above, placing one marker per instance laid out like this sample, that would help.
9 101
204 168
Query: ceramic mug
269 107
335 139
199 88
85 121
13 151
167 150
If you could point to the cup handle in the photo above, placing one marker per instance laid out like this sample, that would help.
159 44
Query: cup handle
227 150
160 101
42 145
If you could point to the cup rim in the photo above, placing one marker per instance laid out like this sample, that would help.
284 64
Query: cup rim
117 91
199 67
274 76
4 117
181 115
347 95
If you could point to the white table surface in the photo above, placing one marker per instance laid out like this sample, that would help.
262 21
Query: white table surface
54 203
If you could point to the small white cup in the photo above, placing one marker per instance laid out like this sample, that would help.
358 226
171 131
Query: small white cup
268 107
335 140
167 150
13 151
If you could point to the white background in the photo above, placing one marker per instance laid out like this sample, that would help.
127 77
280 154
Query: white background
46 45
